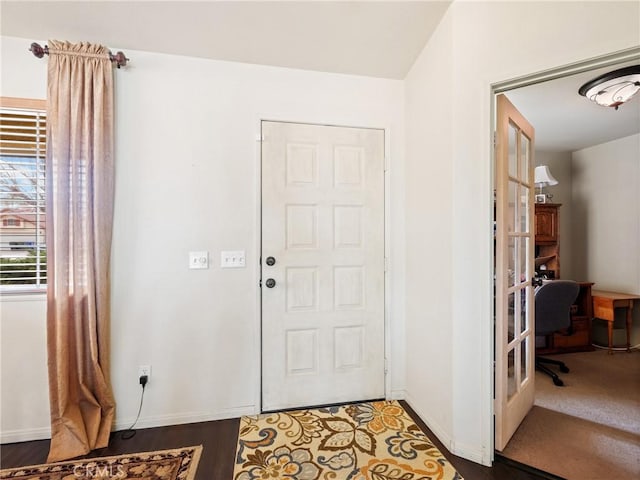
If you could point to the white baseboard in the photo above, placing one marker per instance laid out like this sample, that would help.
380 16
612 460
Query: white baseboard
29 434
433 425
189 417
468 452
398 394
25 435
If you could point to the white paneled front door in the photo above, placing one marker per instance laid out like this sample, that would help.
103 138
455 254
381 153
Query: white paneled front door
322 264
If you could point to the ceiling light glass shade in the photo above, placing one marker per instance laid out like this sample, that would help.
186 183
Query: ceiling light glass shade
543 176
614 88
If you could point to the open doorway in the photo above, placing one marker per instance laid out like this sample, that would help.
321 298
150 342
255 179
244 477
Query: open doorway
594 153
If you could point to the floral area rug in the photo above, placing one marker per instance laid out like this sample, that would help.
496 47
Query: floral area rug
365 441
177 464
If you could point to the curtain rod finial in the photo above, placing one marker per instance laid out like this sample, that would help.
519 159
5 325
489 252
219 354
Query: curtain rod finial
39 51
120 59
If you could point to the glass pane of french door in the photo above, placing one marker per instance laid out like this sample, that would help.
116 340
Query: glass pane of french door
519 284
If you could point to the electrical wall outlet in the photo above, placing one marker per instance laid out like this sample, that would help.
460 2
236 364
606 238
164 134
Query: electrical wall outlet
144 370
198 260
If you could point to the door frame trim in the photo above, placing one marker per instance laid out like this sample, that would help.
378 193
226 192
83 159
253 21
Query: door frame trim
388 364
503 86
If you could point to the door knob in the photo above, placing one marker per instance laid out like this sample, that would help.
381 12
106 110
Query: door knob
271 261
270 283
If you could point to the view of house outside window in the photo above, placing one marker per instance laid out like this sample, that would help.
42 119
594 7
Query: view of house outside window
23 258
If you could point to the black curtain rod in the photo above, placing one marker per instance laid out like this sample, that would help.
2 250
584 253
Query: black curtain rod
119 58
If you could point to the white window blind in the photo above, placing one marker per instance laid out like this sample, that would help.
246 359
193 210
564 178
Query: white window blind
23 257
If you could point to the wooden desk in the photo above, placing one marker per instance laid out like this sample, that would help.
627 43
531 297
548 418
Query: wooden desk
604 305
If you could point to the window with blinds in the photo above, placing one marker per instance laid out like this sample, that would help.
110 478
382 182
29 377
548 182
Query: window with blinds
23 252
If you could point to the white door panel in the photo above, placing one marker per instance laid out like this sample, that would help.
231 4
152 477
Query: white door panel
323 224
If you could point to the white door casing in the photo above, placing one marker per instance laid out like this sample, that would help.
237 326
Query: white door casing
323 225
515 325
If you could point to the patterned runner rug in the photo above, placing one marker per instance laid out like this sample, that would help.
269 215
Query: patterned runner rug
365 441
177 464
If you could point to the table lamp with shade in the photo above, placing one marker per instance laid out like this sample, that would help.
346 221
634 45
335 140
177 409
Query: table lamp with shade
543 178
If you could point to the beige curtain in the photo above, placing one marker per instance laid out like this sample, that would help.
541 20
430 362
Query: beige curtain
79 222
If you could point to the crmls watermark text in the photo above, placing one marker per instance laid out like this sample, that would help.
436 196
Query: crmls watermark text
99 472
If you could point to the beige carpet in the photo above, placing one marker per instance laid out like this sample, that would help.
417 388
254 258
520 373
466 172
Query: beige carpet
176 464
364 441
590 428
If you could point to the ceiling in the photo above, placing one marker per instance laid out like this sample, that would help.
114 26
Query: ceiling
565 121
372 38
378 39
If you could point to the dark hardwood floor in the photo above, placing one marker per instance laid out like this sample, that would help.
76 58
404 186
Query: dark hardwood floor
219 438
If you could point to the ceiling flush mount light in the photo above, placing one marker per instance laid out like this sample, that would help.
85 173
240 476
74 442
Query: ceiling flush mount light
614 88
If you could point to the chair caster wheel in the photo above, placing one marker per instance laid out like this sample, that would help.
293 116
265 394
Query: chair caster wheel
564 369
558 382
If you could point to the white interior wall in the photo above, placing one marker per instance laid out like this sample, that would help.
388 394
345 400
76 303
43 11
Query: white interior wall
187 173
559 164
428 199
24 387
487 42
604 183
606 224
448 303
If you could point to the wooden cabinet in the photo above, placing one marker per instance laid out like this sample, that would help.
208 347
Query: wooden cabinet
547 238
546 223
576 338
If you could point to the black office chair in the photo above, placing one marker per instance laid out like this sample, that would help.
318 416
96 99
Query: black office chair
553 305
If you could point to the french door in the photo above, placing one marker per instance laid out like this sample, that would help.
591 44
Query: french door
322 264
514 336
